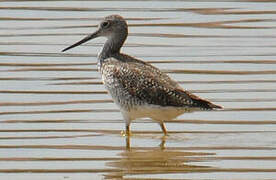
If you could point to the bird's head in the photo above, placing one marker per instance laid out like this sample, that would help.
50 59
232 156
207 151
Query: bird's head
111 26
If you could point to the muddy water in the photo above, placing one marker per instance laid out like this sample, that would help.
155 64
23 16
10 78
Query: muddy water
58 122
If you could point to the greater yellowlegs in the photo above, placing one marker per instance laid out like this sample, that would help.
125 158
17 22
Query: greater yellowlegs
138 88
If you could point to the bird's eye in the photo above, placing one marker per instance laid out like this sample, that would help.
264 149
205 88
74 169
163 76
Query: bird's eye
105 24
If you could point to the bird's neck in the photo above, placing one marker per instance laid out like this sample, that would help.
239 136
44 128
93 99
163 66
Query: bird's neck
111 47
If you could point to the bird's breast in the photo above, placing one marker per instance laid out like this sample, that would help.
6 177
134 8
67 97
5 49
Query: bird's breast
115 81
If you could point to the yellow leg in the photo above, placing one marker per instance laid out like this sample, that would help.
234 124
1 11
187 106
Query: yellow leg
163 127
128 129
163 141
127 121
128 143
127 132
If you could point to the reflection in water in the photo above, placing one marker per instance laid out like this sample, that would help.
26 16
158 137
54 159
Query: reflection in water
150 161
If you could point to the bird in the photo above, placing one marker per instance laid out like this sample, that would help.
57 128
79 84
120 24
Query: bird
139 89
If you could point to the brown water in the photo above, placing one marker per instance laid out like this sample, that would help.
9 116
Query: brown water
58 122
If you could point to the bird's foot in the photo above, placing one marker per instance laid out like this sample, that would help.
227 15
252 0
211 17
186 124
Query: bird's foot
126 133
165 136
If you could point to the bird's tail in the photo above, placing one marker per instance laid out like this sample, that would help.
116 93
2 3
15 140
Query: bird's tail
214 106
205 104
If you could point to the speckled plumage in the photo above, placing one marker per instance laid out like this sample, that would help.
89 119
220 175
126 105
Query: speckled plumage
137 87
136 83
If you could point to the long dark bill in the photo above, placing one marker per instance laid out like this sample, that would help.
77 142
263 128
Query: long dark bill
87 38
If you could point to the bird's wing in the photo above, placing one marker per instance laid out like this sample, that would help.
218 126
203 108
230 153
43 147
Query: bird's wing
147 83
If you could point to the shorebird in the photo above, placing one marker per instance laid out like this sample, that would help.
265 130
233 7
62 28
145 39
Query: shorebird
137 87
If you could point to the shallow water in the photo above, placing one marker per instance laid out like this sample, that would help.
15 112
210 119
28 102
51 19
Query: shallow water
58 122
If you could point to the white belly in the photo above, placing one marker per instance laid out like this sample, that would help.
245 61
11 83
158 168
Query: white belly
157 112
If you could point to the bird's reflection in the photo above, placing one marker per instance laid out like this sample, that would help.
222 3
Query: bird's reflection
161 145
155 160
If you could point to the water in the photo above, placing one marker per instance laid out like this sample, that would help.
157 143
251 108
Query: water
57 121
